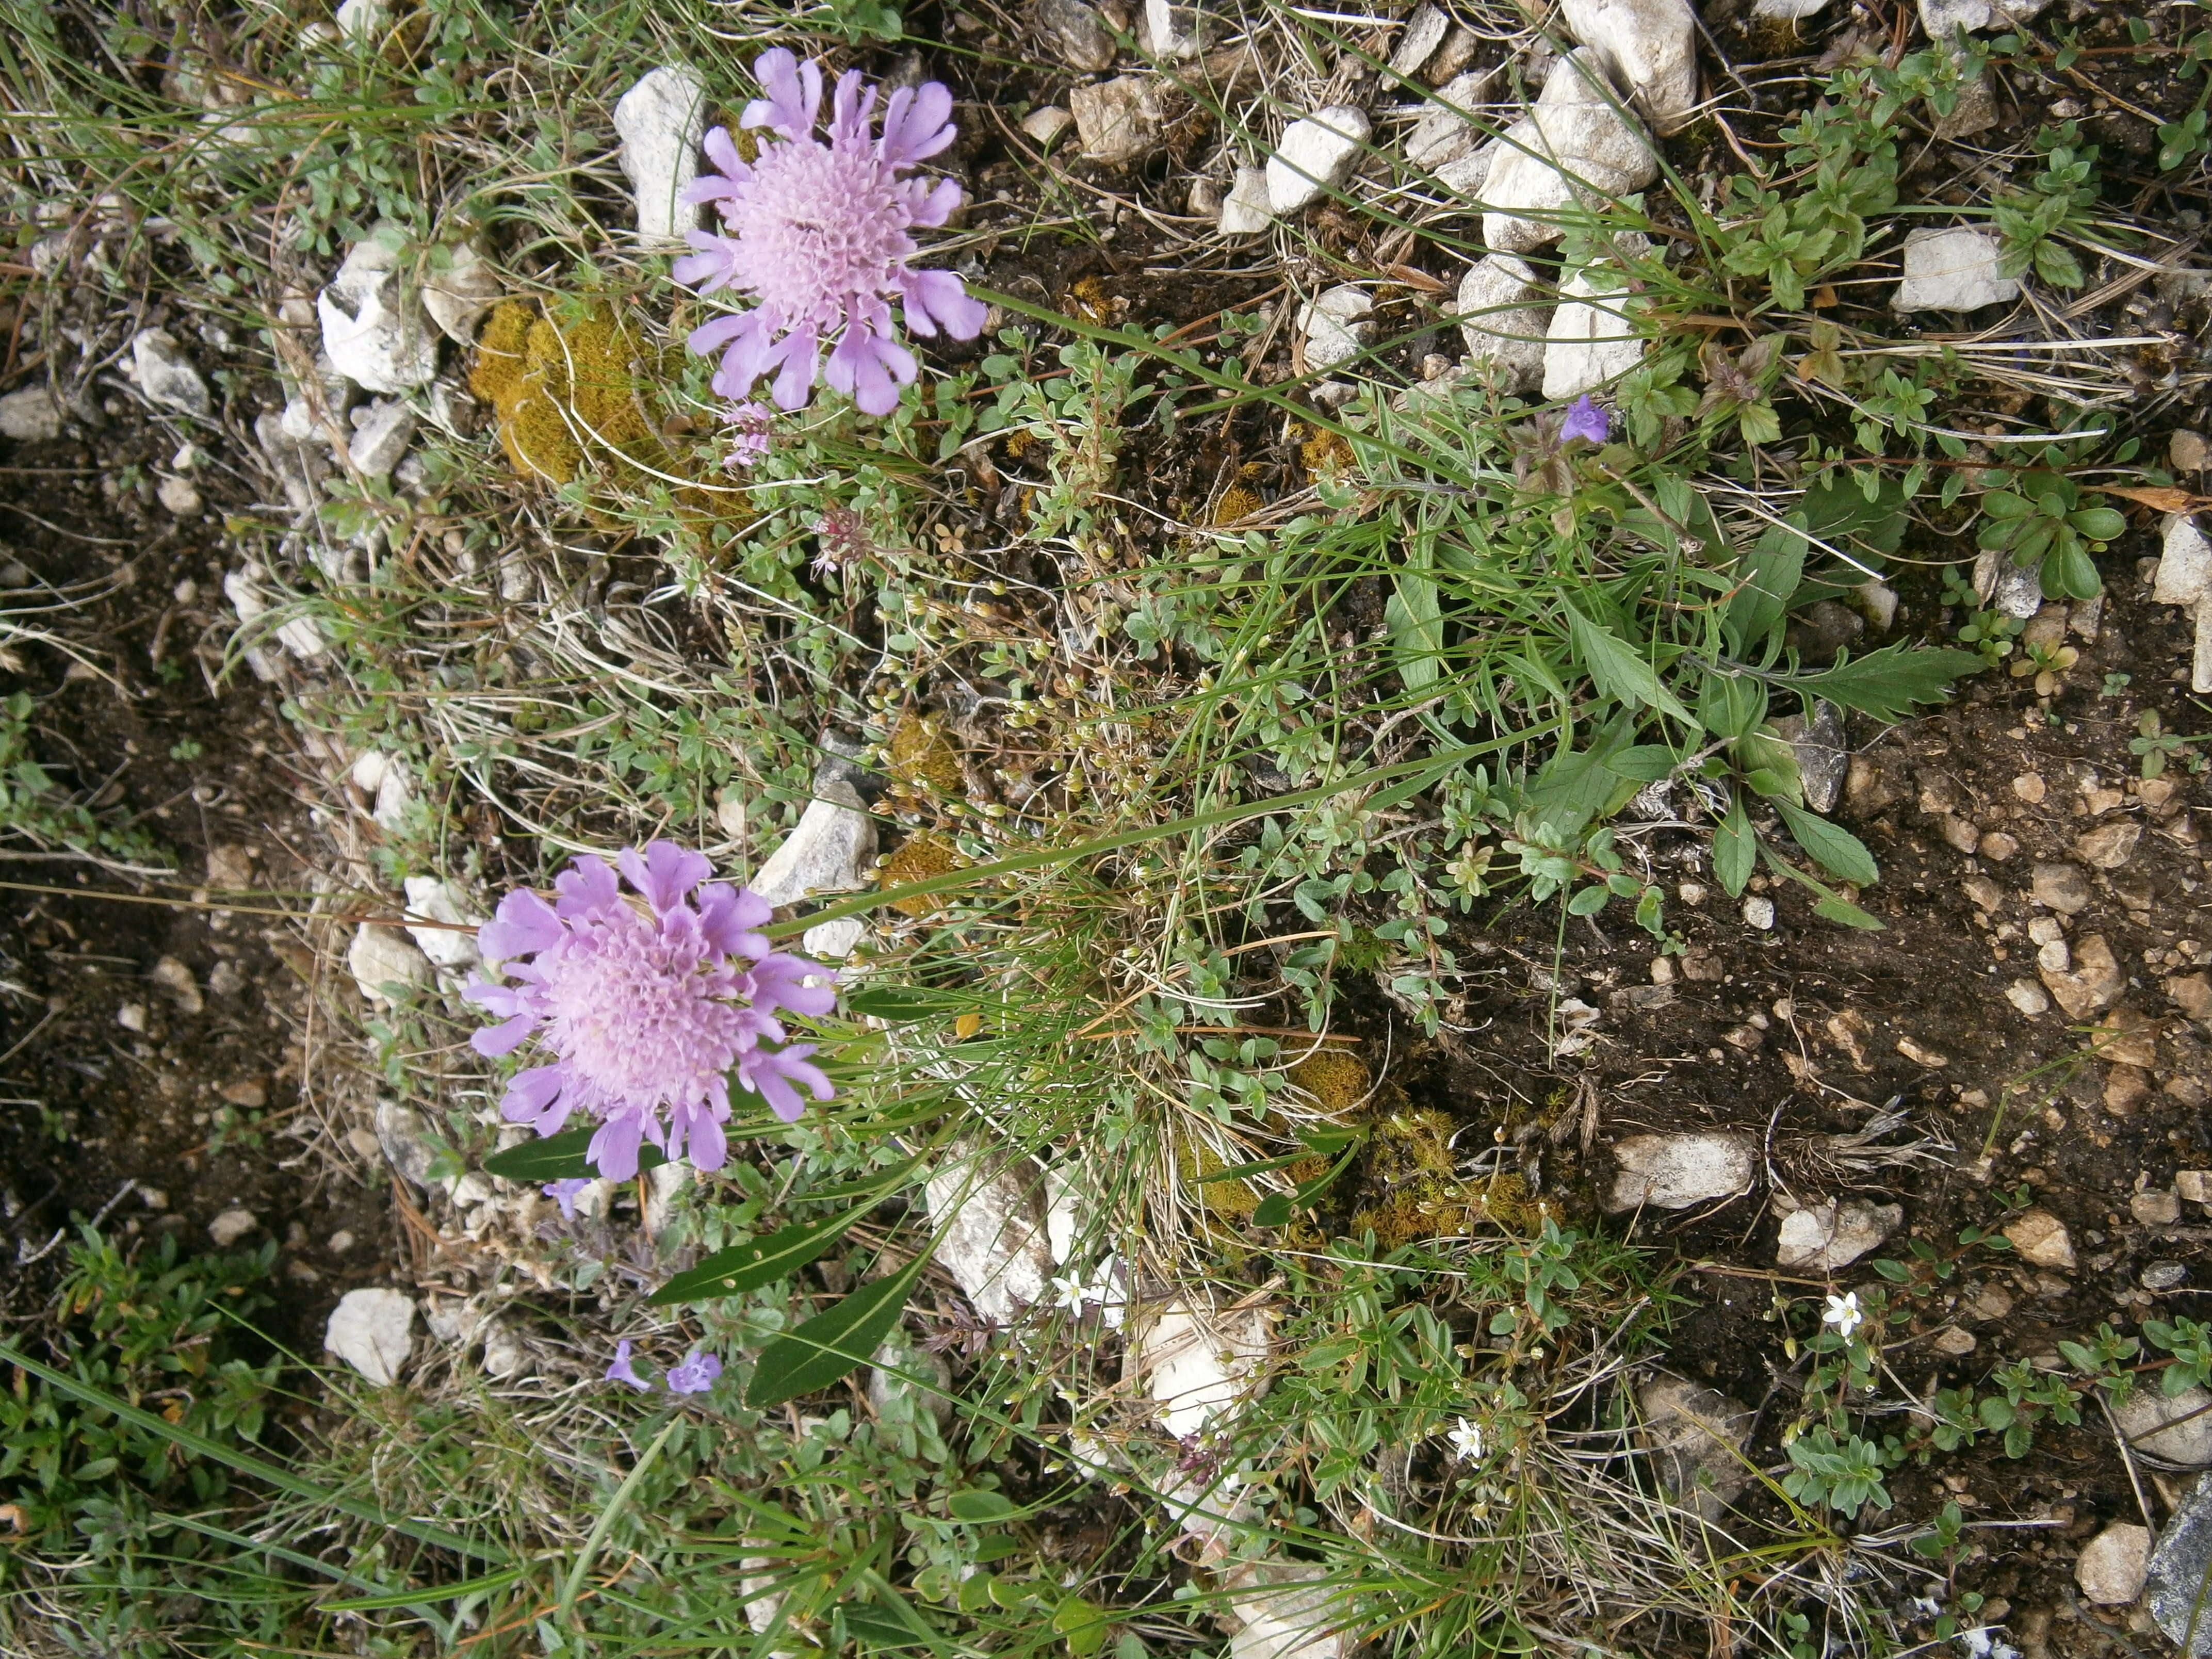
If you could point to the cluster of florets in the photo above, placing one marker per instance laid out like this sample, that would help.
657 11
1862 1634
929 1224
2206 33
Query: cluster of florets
816 232
649 1004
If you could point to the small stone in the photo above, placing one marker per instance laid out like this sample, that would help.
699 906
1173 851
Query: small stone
1498 322
2110 846
2125 1089
2188 451
2028 997
231 1225
1759 912
460 287
1074 33
2192 994
1868 788
996 1246
372 1331
1954 268
1282 1611
2113 1565
383 960
1663 970
1648 49
1880 602
660 121
1573 146
1921 1054
2194 1185
1046 122
832 850
2156 1209
504 1356
2029 786
1316 153
1592 338
2041 1238
2162 1275
2184 565
1203 1364
1169 28
2125 1038
1446 131
1943 19
1245 210
381 437
1954 1341
340 1241
435 899
2177 1427
2089 982
1985 894
246 1093
1675 1171
400 1138
31 416
2180 1567
1823 762
176 980
1997 847
833 941
363 19
1425 32
1334 326
374 331
1119 120
1697 1436
152 1197
1988 1303
2061 887
166 376
1827 1237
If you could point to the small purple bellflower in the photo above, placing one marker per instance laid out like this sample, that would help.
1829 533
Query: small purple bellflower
1585 419
817 234
696 1375
647 1005
623 1371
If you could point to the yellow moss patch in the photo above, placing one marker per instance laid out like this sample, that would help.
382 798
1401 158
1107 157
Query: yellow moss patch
1237 502
921 754
1195 1159
919 858
1336 1078
569 397
1326 455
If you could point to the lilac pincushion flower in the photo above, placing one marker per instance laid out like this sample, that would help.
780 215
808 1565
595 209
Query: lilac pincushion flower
817 234
696 1375
648 1006
1585 419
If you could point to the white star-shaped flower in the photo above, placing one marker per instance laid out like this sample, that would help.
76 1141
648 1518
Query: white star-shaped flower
1843 1314
1069 1294
1467 1442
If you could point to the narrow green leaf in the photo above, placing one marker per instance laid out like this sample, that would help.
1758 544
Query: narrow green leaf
558 1158
978 1507
1845 914
761 1261
1830 846
1886 684
1735 845
1414 618
896 1003
430 1596
1769 573
1618 672
834 1341
1647 762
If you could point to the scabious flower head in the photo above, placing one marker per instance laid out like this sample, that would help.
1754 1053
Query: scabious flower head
696 1375
1585 419
648 1006
816 232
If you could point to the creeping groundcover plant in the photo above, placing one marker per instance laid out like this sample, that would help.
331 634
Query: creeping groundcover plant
649 1004
817 234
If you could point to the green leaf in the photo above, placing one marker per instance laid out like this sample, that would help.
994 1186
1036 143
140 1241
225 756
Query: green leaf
978 1507
1414 618
834 1341
1887 684
558 1158
896 1003
1587 901
1769 575
1082 1624
1618 672
1735 845
1844 913
430 1596
761 1261
1832 846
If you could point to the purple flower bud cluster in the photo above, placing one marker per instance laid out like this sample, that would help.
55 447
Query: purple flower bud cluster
648 1006
817 234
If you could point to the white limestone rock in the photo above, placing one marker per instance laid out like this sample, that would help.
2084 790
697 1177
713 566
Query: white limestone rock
1697 1436
458 290
1675 1171
832 850
372 1331
364 19
1501 321
2113 1565
1246 210
380 437
1648 48
31 416
833 941
1167 29
1119 120
161 371
1046 122
1316 153
1788 11
1336 326
1076 33
374 331
1573 148
382 957
997 1249
1943 19
1446 131
1954 268
2184 565
1592 340
1826 1237
440 900
232 1226
1203 1364
660 121
1286 1610
1465 177
2176 1428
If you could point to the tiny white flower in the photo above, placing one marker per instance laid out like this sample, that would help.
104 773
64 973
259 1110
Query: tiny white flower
1466 1441
1068 1294
1843 1314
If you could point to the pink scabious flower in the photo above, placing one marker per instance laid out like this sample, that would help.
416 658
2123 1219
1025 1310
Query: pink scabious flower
647 1004
817 234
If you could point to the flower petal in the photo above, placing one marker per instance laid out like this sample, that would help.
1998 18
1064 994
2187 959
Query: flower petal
728 917
665 874
613 1151
587 888
916 125
495 1041
800 354
939 299
524 924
